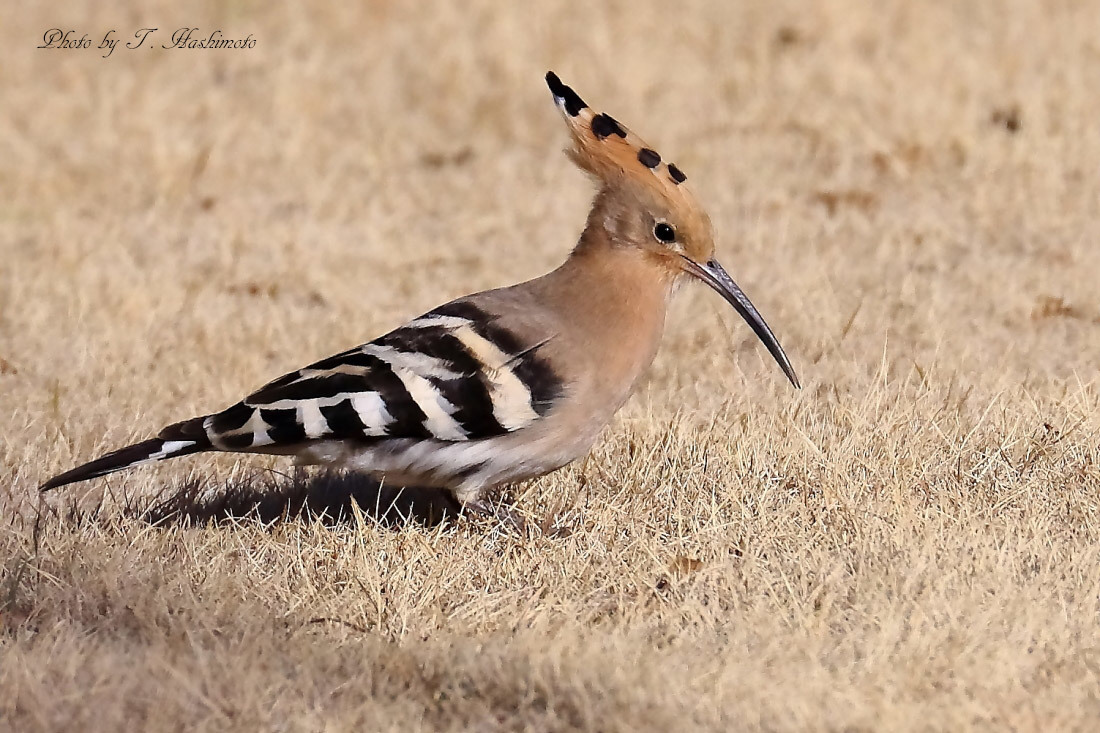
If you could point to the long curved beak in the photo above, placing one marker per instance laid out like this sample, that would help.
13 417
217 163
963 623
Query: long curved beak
714 275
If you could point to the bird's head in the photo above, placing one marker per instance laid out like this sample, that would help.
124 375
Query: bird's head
644 202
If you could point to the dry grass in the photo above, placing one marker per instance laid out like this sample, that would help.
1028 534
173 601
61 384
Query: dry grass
908 190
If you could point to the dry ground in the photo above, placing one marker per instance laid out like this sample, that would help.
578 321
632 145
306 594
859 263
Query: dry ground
910 193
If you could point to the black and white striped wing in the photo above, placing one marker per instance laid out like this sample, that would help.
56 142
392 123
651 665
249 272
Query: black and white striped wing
453 374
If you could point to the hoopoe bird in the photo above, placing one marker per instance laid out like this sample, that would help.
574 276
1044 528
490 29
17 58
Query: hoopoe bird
503 385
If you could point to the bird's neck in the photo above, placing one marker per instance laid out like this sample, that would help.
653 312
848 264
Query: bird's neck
614 298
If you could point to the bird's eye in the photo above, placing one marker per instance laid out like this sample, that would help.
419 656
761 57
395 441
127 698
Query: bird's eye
664 232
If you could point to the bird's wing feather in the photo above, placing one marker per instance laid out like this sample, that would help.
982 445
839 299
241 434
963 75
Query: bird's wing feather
454 374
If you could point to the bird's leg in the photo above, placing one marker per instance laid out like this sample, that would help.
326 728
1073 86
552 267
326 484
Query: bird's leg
497 512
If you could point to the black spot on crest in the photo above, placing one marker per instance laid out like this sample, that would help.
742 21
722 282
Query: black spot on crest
649 158
677 174
604 124
573 103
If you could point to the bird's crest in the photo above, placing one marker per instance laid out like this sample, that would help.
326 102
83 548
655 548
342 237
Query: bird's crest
608 150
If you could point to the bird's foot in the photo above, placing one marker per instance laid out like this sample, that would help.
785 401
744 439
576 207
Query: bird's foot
498 512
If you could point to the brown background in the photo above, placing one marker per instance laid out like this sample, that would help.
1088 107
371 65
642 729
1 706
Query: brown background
907 190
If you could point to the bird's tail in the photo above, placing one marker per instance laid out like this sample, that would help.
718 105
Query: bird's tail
180 439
